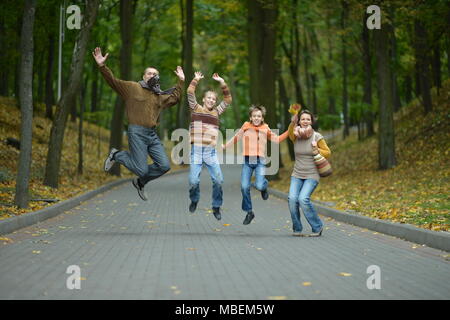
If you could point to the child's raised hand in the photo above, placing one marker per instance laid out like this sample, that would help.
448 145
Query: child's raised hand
218 78
198 75
223 146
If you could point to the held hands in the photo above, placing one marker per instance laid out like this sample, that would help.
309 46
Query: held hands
180 73
314 147
99 58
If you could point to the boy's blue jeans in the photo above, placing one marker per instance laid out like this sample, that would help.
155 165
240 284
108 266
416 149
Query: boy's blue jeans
201 155
256 164
300 196
144 142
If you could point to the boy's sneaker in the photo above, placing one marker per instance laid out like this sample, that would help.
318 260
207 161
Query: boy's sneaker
110 160
298 234
249 217
265 194
216 212
140 189
316 234
192 206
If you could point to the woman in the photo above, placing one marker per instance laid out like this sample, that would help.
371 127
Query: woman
305 177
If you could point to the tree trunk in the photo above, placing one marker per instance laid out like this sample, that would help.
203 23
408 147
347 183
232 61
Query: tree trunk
126 33
386 140
423 64
344 71
284 101
41 78
262 16
49 94
26 105
436 66
94 88
408 89
80 126
394 61
3 57
187 58
70 94
367 72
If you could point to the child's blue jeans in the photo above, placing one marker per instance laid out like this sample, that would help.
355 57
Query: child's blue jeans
201 155
256 164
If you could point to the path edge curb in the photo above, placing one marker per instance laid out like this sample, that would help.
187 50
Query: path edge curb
434 239
12 224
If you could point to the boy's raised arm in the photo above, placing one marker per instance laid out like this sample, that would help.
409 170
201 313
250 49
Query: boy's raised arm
227 99
191 90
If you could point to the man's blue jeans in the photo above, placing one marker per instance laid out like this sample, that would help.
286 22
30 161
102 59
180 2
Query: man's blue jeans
201 155
144 142
256 164
300 196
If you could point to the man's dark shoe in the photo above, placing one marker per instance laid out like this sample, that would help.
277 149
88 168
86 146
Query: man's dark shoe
140 189
249 217
216 212
265 194
192 206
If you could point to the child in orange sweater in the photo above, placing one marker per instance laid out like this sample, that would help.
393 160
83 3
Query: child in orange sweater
255 134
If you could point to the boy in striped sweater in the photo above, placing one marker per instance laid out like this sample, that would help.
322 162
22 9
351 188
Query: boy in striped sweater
204 130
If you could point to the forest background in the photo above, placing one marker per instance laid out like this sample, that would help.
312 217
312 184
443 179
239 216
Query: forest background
381 95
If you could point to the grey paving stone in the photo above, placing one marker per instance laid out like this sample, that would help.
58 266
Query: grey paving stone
130 249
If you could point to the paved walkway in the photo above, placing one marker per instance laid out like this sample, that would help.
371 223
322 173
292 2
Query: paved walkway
130 249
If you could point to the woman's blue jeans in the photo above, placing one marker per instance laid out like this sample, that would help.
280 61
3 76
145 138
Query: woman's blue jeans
207 156
300 196
256 164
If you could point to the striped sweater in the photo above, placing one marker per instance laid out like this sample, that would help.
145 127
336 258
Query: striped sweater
204 125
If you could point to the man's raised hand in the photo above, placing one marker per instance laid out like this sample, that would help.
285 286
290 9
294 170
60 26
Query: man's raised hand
99 58
180 73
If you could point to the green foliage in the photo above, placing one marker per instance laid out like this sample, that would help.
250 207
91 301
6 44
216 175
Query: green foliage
329 122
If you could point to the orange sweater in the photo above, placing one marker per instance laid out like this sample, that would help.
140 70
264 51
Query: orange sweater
255 138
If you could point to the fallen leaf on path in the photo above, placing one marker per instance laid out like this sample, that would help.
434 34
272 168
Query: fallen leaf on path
277 298
306 283
345 274
6 239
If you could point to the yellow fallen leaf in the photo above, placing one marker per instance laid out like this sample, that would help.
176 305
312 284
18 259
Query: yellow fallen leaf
306 283
5 239
82 278
345 274
277 298
226 224
36 251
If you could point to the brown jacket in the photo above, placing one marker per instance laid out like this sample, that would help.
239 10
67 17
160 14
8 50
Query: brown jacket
142 106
